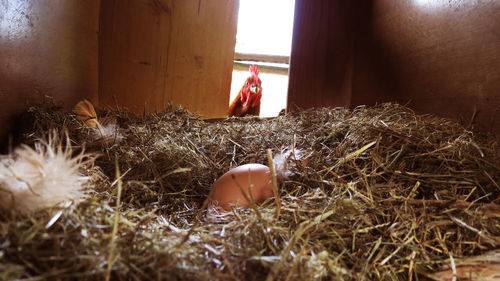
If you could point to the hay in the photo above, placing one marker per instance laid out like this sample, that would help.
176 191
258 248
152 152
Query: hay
383 194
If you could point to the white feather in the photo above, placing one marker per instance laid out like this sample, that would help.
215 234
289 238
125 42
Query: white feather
108 133
283 162
31 179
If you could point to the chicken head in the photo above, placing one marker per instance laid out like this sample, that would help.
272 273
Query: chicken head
251 92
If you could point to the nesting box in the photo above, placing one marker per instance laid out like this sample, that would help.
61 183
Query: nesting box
374 190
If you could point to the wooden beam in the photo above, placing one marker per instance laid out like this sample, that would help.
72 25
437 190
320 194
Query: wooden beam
261 58
163 61
243 66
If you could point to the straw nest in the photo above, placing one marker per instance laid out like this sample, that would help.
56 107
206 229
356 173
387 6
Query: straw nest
381 194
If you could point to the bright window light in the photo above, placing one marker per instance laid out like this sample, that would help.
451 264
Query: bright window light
265 27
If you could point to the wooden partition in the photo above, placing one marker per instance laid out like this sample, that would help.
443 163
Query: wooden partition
321 54
156 52
440 57
48 50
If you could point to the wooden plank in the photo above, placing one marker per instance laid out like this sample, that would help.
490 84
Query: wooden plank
156 52
48 51
321 52
243 66
261 57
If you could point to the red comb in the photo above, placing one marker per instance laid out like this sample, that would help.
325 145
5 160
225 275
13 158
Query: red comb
253 69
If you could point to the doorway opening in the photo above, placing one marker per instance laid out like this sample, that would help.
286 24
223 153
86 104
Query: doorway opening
264 38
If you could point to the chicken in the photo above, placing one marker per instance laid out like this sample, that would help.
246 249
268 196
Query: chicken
247 102
104 130
85 112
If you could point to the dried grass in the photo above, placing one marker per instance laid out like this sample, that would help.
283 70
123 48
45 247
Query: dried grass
384 194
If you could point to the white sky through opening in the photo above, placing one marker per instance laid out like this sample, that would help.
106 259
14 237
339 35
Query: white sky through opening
265 27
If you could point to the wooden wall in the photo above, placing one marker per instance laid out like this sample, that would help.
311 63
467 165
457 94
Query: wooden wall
442 57
156 52
48 49
321 54
137 53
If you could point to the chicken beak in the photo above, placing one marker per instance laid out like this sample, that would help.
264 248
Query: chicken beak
254 89
245 103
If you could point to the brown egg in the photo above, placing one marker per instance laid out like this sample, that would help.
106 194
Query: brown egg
226 193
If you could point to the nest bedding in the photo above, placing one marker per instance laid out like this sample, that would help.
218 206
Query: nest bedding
381 193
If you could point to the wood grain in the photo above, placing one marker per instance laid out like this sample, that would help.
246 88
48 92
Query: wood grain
48 51
321 49
156 52
440 57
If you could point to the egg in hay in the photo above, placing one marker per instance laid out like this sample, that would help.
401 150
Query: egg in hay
255 178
